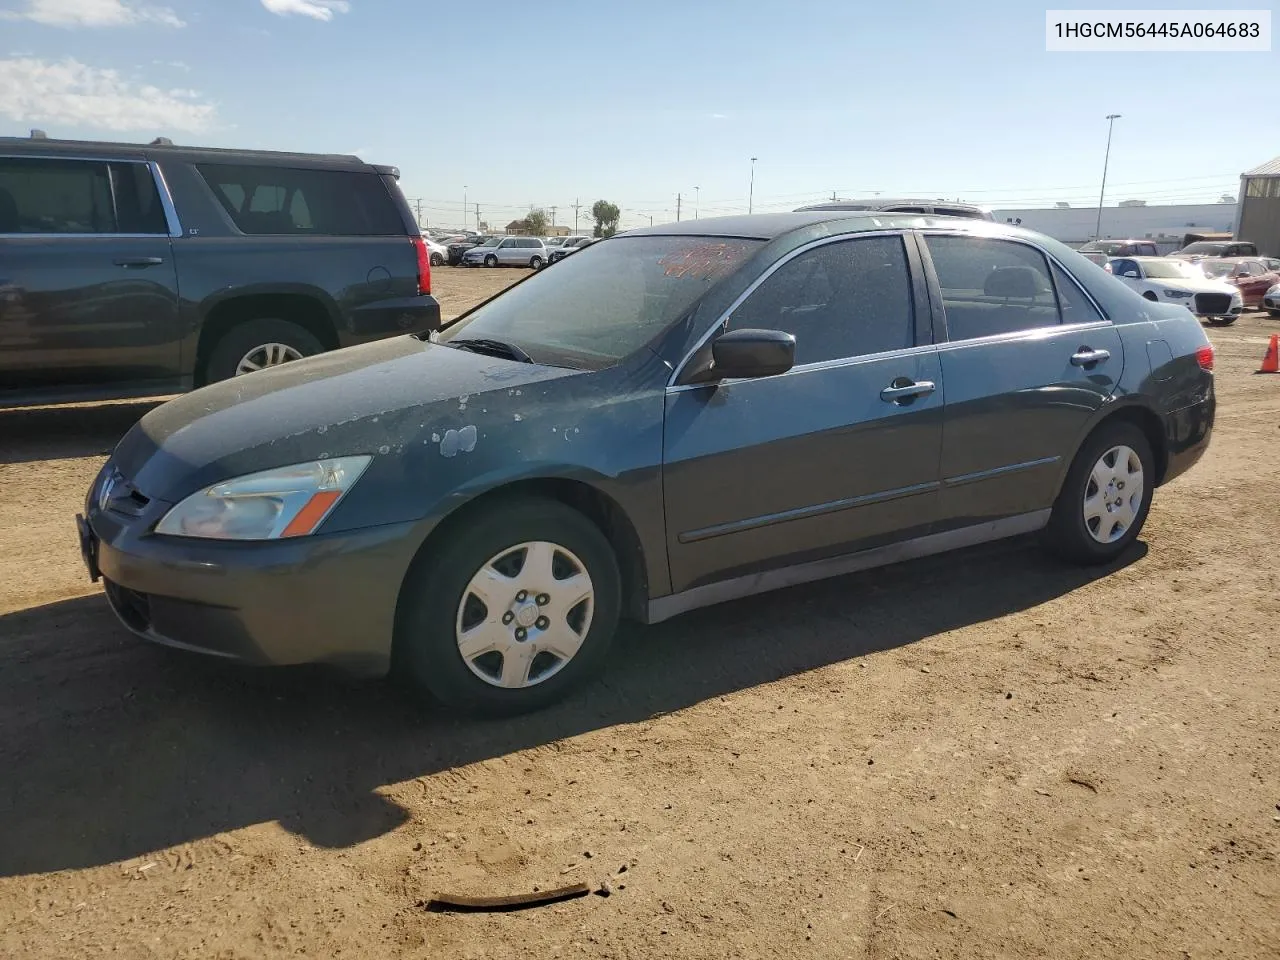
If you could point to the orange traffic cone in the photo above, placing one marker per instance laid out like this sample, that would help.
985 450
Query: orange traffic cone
1271 362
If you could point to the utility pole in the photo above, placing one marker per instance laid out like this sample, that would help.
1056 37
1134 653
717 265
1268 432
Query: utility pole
677 208
697 196
477 218
751 193
651 219
1111 122
576 205
417 207
464 206
553 215
833 195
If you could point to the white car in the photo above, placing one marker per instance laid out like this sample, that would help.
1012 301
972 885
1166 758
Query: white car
437 252
1180 282
1271 300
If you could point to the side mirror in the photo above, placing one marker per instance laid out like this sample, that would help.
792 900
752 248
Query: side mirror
751 353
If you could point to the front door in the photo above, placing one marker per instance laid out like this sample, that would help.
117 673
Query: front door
839 454
88 290
1027 363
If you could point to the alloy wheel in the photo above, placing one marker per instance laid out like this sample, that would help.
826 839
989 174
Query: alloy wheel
267 355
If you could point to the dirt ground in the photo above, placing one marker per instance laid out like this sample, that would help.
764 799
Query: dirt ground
978 755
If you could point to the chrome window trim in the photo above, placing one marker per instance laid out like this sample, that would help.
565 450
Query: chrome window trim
1034 333
166 200
926 232
773 267
812 367
157 177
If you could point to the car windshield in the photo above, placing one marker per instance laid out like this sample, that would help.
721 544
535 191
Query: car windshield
1210 249
490 242
1102 246
1220 268
1169 270
591 311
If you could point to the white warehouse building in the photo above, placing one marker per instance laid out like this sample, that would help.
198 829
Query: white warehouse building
1167 224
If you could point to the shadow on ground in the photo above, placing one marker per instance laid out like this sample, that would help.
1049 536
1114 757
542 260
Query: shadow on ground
113 748
28 434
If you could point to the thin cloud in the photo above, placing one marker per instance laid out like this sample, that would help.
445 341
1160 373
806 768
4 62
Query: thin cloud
316 9
175 64
70 93
93 13
719 116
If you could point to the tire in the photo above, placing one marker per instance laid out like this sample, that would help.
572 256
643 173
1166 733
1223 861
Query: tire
1273 313
1221 321
535 262
240 342
491 261
436 600
1069 533
1150 296
437 260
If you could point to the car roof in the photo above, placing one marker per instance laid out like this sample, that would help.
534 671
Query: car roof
769 226
45 146
878 203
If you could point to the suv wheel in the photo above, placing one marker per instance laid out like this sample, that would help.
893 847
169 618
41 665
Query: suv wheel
1105 497
491 261
258 344
510 610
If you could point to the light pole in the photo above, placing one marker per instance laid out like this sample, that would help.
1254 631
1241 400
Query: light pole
697 195
751 192
1111 122
464 206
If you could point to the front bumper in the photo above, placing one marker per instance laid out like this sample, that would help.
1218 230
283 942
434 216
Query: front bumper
317 599
389 318
1271 302
1215 304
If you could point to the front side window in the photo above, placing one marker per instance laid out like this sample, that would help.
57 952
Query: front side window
55 196
285 200
843 299
992 287
593 310
1126 268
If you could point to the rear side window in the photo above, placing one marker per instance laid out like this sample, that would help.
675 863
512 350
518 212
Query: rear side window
844 299
55 196
285 200
992 287
1074 305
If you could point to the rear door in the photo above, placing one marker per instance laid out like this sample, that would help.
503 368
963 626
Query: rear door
825 459
88 290
1028 361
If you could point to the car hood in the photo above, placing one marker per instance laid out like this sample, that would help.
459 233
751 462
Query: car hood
1194 286
372 399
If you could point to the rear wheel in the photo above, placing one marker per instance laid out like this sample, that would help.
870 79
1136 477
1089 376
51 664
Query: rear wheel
258 344
535 262
1106 496
510 613
1274 313
437 260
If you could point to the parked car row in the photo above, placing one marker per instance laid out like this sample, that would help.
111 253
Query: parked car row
1216 289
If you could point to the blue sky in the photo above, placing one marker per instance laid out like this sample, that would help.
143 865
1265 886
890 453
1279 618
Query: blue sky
544 102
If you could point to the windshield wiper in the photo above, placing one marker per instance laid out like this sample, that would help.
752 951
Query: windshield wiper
494 348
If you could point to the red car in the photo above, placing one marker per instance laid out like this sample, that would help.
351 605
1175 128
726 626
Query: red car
1250 274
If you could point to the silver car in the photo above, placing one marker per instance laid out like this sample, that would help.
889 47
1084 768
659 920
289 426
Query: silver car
507 252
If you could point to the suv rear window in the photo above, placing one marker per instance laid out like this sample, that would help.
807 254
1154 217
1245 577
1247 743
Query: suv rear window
286 200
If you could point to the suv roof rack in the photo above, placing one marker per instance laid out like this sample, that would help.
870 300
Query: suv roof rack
164 143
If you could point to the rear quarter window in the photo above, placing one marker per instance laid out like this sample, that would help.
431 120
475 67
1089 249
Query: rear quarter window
265 200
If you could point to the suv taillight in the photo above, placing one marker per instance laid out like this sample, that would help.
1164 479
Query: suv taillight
424 265
1204 357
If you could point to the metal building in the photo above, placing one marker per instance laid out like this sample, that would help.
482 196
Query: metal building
1258 216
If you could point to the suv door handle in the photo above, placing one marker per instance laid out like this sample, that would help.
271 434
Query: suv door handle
139 261
1087 356
904 389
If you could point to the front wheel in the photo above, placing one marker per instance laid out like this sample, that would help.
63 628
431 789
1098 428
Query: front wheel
437 260
491 261
1221 321
509 613
1150 296
1106 496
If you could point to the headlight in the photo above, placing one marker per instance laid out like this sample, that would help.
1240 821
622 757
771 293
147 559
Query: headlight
1176 294
285 502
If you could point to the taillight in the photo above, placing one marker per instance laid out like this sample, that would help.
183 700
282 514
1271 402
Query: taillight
1204 357
424 265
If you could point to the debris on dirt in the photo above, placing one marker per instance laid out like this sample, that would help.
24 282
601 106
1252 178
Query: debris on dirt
622 869
417 846
950 913
587 854
1008 696
1043 793
459 903
1082 782
924 670
605 890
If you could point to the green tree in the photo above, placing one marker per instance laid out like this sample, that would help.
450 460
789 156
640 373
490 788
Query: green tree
536 222
606 215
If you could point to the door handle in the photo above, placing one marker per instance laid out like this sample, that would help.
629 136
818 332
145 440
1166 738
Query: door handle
139 261
906 391
1087 356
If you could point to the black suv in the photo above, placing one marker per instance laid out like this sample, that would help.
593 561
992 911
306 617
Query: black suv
132 270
